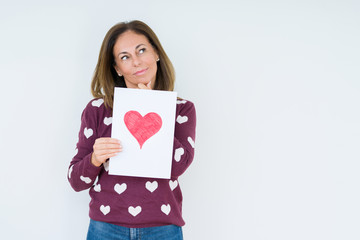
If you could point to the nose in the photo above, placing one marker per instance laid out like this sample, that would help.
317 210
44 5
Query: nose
136 61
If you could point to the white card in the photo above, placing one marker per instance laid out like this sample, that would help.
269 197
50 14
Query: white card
144 121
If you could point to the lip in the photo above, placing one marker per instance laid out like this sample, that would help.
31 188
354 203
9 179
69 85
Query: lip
141 72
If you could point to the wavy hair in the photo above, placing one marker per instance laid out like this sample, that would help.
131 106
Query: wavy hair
105 76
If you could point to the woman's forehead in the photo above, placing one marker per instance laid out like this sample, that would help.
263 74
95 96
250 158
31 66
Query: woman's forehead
129 40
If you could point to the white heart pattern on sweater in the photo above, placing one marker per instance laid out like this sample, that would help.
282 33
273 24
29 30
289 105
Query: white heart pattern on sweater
178 153
106 166
88 132
107 121
97 188
85 179
70 171
134 211
97 103
120 188
191 141
173 184
181 119
151 186
166 209
181 101
105 209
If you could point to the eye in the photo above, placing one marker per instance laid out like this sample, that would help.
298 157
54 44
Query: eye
124 58
142 50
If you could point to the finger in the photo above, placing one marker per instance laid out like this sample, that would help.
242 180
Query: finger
148 85
107 140
103 158
142 86
112 146
102 152
104 146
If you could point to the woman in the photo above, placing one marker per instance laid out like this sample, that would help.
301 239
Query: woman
123 207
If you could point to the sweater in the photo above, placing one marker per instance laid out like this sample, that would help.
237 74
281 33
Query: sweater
133 202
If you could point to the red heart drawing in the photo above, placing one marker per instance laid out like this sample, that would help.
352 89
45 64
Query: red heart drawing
142 128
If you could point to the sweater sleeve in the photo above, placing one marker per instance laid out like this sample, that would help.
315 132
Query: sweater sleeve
82 173
184 140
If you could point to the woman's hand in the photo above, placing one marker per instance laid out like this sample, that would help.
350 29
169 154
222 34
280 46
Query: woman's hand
143 86
105 148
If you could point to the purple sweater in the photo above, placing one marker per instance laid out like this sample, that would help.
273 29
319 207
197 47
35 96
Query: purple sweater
133 202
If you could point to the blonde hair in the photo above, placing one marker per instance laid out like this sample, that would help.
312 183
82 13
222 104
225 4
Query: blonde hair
105 76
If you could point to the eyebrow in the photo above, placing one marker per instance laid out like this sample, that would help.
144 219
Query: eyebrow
135 48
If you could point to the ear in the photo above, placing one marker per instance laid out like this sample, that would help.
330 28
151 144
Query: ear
117 70
157 56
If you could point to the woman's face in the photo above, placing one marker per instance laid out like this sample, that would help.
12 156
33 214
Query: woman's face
135 59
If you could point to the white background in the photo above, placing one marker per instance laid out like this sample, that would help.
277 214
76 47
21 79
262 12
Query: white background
277 90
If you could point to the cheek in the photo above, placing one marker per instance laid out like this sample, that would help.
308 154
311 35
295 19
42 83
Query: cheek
124 69
152 62
118 67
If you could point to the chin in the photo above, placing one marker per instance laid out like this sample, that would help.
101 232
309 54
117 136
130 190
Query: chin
144 81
